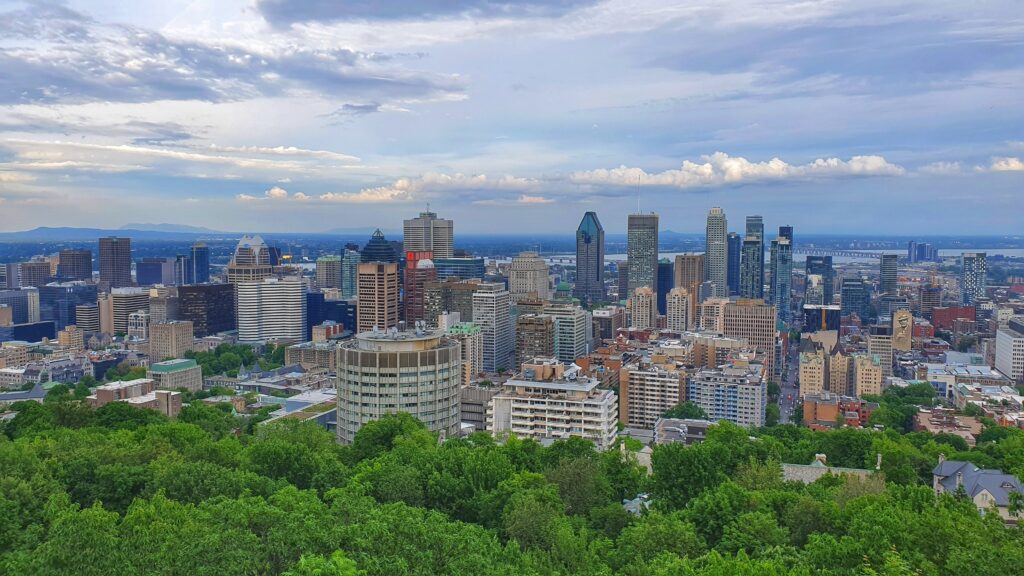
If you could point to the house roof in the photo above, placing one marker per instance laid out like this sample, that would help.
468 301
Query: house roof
977 480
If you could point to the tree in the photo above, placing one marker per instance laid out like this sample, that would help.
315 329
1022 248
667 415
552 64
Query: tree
655 534
972 409
337 565
771 414
581 484
753 533
682 473
380 435
687 410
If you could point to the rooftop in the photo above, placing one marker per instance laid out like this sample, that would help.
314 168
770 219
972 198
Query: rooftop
172 365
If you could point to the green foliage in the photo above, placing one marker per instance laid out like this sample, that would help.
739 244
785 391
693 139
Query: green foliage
686 410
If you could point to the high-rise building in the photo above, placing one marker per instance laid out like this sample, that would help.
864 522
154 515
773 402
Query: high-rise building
735 245
880 346
528 277
378 249
58 301
471 339
535 337
902 330
642 251
973 276
209 307
666 281
608 320
822 266
678 310
87 318
622 280
754 321
647 391
716 252
419 271
151 271
643 311
782 274
888 274
273 309
328 272
853 295
350 260
492 312
251 262
75 265
428 233
1010 349
450 296
170 340
378 296
198 264
34 273
574 331
589 287
736 392
138 325
389 372
689 270
124 301
116 261
463 268
752 265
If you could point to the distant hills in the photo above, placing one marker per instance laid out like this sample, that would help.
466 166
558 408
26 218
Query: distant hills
170 228
67 234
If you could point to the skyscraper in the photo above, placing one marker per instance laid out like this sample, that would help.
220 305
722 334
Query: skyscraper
199 264
75 265
752 268
251 262
378 296
589 286
378 249
887 274
328 272
574 331
273 309
716 252
535 337
735 243
678 313
210 307
854 298
973 276
428 233
419 270
782 273
528 274
349 272
116 261
822 266
643 309
690 275
492 312
150 271
666 281
642 250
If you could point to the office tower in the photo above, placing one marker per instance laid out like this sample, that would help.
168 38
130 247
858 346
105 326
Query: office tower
419 270
170 340
383 373
528 277
71 337
33 273
666 281
716 252
87 318
642 251
9 275
735 248
463 268
535 337
782 274
574 331
643 311
912 252
689 270
853 295
115 306
880 346
647 391
199 264
752 274
350 260
58 301
251 261
116 261
736 392
471 339
273 309
328 272
589 287
75 265
378 287
152 271
449 296
608 320
138 325
492 312
786 232
32 304
756 322
930 298
973 276
888 274
210 308
183 272
819 317
678 317
1010 349
822 266
622 280
378 249
428 233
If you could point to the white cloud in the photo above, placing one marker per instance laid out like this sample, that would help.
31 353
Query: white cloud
1007 164
301 197
720 168
398 192
12 177
247 198
527 199
405 189
941 169
276 193
285 151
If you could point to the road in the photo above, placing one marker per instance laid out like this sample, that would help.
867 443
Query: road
790 386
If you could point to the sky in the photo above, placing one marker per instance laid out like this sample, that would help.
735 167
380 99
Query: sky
864 116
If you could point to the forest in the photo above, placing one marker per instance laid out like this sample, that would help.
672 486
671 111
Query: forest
119 491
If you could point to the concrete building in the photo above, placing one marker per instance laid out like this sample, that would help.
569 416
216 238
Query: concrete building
589 287
755 322
313 355
814 373
120 303
176 374
272 309
642 251
6 315
528 277
550 401
647 391
251 261
75 264
535 337
643 311
1010 349
141 393
328 272
880 346
471 341
973 277
116 261
419 271
736 392
428 233
902 330
170 339
473 406
138 326
868 374
492 312
574 331
716 252
388 372
87 318
450 296
678 310
607 321
378 296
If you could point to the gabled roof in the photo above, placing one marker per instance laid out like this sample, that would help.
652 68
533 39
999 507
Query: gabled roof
976 480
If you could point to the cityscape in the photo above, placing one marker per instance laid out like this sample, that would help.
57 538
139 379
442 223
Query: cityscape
478 352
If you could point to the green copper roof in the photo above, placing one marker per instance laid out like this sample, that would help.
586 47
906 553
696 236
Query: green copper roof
172 365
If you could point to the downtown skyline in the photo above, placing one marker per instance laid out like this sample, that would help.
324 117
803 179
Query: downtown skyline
244 116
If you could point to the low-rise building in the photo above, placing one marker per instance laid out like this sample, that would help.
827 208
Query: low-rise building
685 430
826 411
988 489
473 406
647 390
141 393
947 421
177 374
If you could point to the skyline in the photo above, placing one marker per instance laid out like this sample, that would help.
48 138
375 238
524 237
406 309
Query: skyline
242 116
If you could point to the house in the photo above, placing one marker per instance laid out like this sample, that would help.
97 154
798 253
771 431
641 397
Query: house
986 488
808 473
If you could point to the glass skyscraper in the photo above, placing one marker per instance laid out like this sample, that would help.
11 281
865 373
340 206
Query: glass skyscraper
822 266
782 272
735 249
589 286
642 250
716 252
973 280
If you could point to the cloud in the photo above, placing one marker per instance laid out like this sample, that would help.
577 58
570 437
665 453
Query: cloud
283 12
526 199
276 193
1007 164
286 151
142 132
432 184
720 169
941 169
15 177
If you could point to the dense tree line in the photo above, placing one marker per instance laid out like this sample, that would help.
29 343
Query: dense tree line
121 491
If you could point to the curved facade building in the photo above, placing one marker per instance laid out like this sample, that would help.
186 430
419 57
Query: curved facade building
387 372
274 309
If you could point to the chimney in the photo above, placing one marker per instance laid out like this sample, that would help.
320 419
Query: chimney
878 461
942 458
959 480
821 458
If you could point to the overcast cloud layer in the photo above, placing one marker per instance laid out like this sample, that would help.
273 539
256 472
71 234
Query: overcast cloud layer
308 115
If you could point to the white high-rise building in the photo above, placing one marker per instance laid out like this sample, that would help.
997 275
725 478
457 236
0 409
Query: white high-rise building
677 310
716 252
272 309
428 233
528 275
492 312
1010 349
574 331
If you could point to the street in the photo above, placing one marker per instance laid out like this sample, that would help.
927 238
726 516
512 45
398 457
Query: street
789 386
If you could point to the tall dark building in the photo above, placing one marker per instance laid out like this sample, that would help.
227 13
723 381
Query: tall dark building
752 261
378 249
182 270
18 300
822 266
622 280
57 301
855 298
786 232
210 307
887 274
199 264
589 286
642 250
666 281
151 271
735 245
116 261
782 272
75 265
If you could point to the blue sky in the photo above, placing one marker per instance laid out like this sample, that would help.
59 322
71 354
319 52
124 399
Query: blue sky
305 115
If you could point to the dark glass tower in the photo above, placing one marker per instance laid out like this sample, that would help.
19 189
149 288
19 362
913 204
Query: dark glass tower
75 265
735 245
666 279
822 266
589 286
854 296
378 249
752 265
116 261
199 264
782 272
